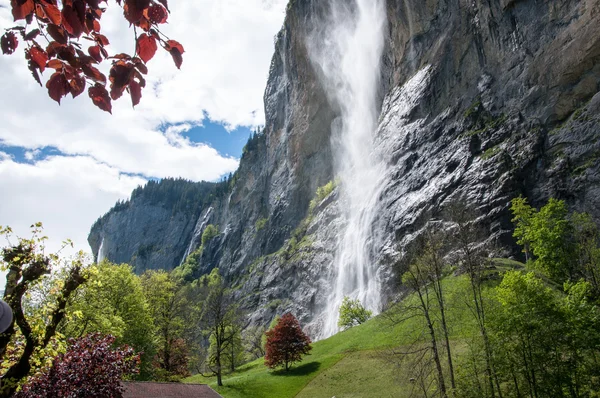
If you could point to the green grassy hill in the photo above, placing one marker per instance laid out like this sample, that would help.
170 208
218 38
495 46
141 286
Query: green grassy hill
353 363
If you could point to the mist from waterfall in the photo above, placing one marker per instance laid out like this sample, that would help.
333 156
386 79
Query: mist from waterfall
347 51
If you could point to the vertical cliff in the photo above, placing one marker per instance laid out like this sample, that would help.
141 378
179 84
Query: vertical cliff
478 100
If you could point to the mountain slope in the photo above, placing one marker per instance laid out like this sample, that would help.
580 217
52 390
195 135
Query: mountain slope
478 100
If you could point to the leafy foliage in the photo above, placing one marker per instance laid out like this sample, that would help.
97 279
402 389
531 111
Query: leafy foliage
171 304
261 223
233 355
63 25
210 232
172 361
221 319
563 246
254 341
352 313
322 192
91 367
286 343
546 343
113 302
33 341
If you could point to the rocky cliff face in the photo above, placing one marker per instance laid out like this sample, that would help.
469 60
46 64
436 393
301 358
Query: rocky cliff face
480 100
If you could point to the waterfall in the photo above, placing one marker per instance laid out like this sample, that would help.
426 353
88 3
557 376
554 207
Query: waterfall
197 236
101 255
347 51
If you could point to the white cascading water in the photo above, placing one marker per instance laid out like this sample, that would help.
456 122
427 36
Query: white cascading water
101 252
348 52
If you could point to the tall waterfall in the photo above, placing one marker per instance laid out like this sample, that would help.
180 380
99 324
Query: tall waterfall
347 51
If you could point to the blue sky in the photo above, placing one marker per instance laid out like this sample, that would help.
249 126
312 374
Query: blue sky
228 143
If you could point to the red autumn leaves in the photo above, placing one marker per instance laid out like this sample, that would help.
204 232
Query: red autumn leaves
286 343
64 24
9 43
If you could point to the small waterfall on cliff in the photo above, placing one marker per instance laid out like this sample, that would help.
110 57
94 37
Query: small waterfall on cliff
101 252
348 52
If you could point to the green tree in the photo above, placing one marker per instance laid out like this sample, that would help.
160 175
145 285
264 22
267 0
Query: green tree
547 343
31 339
220 316
548 233
471 258
417 280
233 355
254 341
587 239
352 313
113 302
522 215
171 306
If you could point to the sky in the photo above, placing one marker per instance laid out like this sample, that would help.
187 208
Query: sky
67 165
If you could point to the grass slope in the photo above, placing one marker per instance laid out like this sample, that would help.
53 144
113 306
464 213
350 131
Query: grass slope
352 363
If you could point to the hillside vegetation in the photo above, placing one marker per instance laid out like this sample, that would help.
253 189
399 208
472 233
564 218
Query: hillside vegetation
358 362
467 325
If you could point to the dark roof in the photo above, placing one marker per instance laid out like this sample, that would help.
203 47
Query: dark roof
167 390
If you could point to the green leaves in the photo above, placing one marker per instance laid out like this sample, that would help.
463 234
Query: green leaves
547 235
352 313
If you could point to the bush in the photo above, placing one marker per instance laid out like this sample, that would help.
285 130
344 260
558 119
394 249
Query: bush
91 367
261 224
352 313
209 232
322 193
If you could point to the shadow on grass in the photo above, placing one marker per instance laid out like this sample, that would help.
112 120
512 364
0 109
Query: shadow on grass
301 370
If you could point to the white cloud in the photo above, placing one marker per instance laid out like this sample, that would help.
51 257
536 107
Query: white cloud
30 155
67 203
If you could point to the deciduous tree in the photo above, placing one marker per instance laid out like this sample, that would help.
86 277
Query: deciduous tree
286 343
170 308
352 313
254 341
220 317
28 267
113 302
471 258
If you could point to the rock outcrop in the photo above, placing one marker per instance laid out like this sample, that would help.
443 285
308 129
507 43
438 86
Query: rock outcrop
480 100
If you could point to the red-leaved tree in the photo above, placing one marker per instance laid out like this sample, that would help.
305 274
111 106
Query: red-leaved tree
53 33
286 343
90 368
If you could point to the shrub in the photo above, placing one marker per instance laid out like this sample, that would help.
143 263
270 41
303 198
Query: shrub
209 232
91 368
352 313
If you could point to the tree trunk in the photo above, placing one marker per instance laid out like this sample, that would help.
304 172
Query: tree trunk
440 296
434 348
